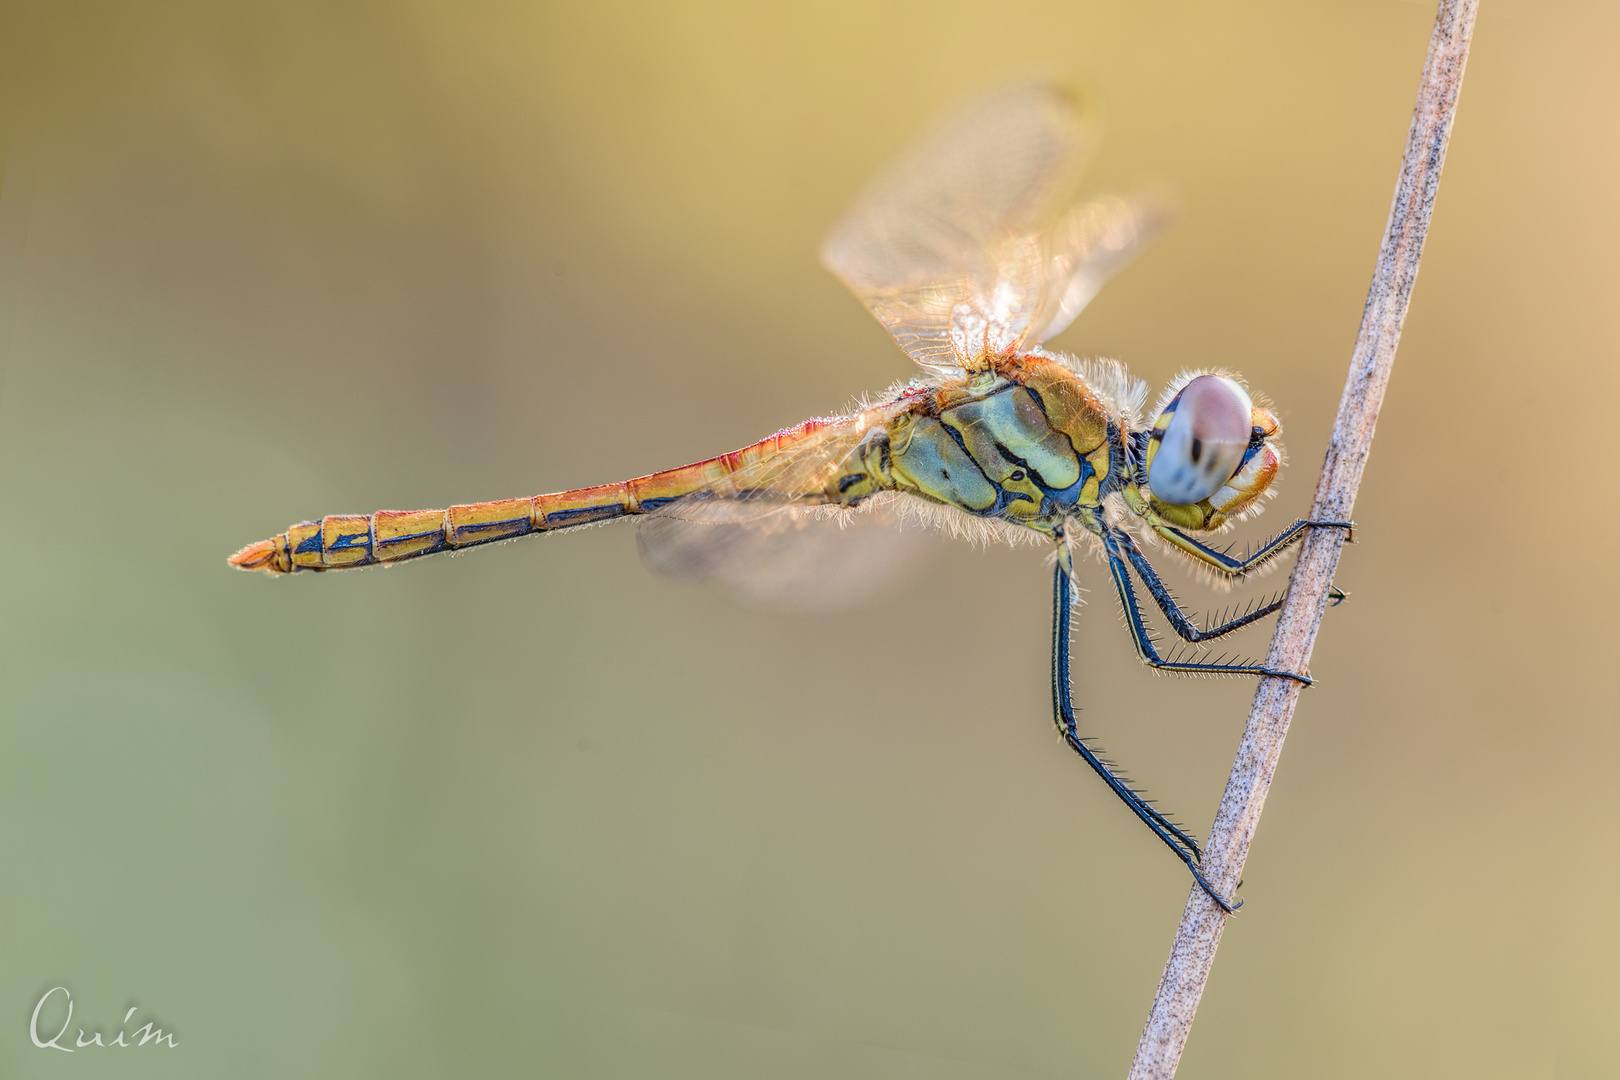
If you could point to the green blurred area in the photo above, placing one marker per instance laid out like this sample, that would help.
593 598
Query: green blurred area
533 812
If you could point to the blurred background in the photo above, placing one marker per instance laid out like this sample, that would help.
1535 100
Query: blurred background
532 812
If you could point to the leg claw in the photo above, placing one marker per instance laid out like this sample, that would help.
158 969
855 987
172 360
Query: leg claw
1225 905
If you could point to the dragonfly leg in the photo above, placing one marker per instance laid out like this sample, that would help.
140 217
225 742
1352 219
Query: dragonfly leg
1145 648
1182 625
1225 564
1173 836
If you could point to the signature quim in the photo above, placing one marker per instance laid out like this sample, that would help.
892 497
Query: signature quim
149 1032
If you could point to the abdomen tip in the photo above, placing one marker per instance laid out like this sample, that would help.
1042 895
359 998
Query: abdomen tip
257 556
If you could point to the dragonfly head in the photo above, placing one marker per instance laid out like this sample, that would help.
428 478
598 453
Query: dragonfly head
1212 453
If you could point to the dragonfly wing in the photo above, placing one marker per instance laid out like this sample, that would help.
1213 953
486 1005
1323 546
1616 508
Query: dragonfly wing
960 246
796 556
1085 247
771 530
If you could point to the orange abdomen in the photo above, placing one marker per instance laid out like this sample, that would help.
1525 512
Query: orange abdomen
341 541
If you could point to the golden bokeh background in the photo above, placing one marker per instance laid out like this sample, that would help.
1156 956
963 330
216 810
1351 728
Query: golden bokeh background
532 812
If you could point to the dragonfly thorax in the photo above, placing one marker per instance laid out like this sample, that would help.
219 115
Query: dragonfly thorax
1025 444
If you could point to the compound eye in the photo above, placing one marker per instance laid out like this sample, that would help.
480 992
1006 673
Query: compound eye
1199 440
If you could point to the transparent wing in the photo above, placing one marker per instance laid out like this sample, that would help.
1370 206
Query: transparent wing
804 557
1084 248
961 245
768 531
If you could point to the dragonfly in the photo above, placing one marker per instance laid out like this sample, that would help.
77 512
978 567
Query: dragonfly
972 250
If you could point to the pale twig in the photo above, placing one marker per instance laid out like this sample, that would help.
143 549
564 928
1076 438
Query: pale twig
1193 952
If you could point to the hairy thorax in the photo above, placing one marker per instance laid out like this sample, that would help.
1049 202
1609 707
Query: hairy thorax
1025 442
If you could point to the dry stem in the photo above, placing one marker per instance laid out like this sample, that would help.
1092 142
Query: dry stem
1193 952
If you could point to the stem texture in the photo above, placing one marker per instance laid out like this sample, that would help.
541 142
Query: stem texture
1193 952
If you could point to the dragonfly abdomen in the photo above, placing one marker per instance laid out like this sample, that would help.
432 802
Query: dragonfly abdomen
345 541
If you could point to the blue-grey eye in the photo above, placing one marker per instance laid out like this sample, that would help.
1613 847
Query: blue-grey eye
1199 440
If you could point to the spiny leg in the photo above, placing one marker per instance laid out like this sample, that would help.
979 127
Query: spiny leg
1178 620
1223 563
1111 539
1063 704
1173 836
